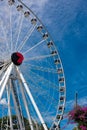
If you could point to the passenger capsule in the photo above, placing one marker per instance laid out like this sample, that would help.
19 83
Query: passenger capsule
26 14
62 89
60 71
19 7
11 2
34 21
57 61
59 116
49 44
39 28
62 98
54 52
60 108
45 36
61 79
54 126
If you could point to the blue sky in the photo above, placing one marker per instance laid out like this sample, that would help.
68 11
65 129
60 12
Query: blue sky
67 23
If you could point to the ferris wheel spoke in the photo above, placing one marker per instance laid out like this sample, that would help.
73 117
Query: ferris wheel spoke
32 100
42 90
36 45
41 78
26 37
11 44
39 57
2 39
43 81
18 31
5 36
41 68
46 96
3 53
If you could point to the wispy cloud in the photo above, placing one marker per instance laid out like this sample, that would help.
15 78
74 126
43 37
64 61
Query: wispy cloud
3 102
81 101
37 5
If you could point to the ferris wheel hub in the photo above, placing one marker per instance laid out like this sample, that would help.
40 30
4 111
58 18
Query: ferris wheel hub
17 58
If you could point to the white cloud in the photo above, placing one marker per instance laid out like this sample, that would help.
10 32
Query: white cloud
38 4
81 102
3 101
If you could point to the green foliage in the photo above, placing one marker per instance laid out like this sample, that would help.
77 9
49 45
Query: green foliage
79 115
75 128
5 120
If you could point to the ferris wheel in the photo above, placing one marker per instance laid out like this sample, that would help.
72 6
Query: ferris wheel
32 81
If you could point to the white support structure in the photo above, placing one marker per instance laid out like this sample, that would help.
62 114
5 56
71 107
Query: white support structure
4 76
9 107
16 108
7 74
32 100
26 106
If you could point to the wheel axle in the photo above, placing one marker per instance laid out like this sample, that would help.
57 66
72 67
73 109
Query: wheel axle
17 58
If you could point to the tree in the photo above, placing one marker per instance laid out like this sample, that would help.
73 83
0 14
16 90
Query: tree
79 115
4 123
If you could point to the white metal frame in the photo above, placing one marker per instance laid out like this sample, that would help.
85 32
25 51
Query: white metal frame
9 107
32 99
6 77
26 105
16 108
